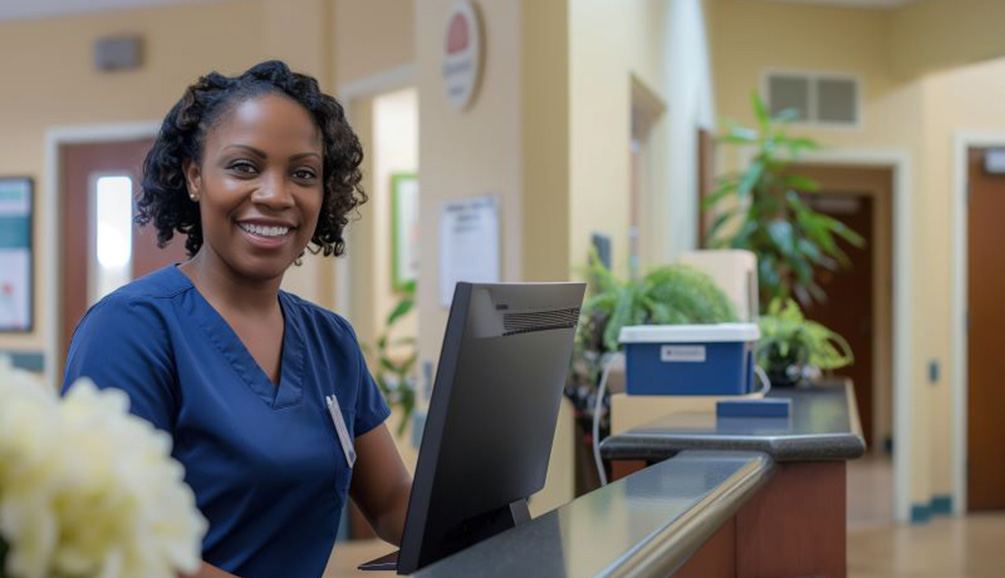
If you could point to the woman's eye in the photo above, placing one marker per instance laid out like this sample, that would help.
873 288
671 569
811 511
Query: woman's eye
243 167
304 174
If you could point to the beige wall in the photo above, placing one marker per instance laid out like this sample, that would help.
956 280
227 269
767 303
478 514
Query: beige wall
660 48
917 117
56 85
609 43
934 35
967 99
471 153
750 38
372 36
481 151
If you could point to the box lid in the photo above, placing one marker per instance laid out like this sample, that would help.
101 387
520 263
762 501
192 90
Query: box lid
712 332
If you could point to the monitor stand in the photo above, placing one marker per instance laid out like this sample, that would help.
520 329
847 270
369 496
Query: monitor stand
467 534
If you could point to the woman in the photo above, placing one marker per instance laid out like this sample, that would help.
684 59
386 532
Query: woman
267 397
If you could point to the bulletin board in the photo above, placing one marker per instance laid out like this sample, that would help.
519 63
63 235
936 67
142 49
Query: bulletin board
17 286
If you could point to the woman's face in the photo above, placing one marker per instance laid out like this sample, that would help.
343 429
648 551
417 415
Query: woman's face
259 186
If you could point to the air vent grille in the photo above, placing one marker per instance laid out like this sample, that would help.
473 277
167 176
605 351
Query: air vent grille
515 323
818 98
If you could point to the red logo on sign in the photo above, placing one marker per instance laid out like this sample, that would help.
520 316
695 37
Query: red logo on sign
457 34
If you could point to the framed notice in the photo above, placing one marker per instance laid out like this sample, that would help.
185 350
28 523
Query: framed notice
16 263
469 244
404 230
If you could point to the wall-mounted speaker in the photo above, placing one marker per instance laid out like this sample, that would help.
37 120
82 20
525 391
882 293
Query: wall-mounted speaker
118 53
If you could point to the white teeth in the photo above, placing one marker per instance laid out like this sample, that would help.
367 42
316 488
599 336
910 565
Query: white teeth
263 231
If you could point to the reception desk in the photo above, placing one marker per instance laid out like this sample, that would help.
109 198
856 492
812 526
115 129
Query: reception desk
647 524
796 524
696 496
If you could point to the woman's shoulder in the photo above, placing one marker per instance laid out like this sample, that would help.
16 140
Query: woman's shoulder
321 318
143 297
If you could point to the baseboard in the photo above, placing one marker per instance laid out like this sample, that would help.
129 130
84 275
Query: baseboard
941 505
33 361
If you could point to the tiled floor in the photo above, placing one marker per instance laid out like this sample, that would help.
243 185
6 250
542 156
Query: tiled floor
870 492
970 547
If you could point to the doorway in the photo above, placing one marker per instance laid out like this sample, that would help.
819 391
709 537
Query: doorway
985 283
859 307
859 304
101 248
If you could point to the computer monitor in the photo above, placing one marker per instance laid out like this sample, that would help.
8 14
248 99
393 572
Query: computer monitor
491 418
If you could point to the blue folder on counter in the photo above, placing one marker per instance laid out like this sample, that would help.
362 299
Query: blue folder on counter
766 407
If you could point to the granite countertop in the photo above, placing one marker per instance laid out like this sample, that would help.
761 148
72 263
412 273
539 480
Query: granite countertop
823 425
646 524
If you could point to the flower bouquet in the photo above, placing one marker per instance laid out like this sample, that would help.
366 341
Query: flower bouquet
88 490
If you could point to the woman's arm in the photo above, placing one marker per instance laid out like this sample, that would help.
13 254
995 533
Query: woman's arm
381 484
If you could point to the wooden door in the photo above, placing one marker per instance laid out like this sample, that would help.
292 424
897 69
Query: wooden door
849 307
985 338
80 165
859 304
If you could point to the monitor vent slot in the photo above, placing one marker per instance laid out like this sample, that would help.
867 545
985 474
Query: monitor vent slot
515 323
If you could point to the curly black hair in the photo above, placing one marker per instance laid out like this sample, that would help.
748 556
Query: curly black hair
164 197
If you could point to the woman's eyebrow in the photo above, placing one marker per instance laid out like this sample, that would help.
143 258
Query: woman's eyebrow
252 150
299 156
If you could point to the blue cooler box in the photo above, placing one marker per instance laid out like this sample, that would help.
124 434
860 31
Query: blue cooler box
714 359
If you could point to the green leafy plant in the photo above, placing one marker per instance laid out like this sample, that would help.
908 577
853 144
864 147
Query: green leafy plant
764 212
791 343
395 360
668 295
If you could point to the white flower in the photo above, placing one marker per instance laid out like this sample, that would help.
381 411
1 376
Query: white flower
87 490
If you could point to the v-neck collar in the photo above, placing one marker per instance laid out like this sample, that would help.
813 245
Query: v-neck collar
289 390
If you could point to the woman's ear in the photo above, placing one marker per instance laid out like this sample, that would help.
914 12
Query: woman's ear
193 180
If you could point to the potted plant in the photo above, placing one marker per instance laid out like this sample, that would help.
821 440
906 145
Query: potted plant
793 349
394 361
760 208
667 295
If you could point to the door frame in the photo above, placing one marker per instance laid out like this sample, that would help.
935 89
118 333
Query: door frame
899 161
399 77
963 140
53 214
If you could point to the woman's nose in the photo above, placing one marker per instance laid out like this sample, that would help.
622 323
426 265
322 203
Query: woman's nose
274 191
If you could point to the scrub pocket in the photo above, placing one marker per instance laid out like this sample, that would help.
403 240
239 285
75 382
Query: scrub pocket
342 442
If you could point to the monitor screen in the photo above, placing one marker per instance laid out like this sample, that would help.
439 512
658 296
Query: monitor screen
491 420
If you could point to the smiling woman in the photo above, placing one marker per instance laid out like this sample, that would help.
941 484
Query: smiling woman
267 397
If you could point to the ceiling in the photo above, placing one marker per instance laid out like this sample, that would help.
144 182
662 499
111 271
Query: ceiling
31 9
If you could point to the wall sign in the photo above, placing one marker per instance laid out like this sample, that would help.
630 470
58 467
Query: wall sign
16 287
404 230
469 244
462 54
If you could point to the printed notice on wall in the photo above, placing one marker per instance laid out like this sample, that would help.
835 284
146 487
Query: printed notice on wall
469 244
15 255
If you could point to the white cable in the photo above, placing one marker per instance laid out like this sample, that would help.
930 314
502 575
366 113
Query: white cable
765 382
607 361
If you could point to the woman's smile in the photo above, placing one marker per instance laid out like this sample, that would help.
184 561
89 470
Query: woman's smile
265 233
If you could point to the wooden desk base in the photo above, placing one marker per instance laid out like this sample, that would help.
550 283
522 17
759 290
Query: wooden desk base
794 527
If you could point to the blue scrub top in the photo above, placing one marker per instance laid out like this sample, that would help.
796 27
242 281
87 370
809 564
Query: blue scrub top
264 461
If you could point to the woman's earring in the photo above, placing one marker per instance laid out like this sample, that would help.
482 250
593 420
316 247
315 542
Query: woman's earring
194 197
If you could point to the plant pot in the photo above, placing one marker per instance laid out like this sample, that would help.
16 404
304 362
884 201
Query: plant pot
784 376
